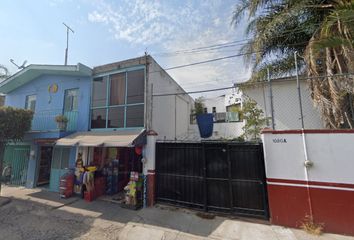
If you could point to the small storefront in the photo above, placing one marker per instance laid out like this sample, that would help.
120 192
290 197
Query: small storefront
107 164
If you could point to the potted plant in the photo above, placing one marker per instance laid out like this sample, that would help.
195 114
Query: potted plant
62 122
205 121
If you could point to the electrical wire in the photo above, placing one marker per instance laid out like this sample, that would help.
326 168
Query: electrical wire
192 92
229 44
233 43
248 84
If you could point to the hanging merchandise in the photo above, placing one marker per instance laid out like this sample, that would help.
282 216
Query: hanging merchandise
111 172
79 172
134 192
138 150
112 153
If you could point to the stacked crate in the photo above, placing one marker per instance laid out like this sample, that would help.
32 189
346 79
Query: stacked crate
66 185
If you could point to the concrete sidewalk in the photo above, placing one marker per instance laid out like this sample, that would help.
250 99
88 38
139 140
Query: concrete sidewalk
38 214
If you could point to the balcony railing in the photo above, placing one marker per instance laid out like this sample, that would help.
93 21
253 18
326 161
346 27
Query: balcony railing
221 117
45 120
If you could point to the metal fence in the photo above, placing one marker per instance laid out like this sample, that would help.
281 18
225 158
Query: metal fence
45 120
220 117
16 159
284 108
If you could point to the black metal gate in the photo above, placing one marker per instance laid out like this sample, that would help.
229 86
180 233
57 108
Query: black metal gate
215 176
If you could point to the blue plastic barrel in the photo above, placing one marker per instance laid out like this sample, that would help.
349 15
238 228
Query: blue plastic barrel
205 124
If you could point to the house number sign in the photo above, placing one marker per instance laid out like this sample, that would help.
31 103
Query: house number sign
279 140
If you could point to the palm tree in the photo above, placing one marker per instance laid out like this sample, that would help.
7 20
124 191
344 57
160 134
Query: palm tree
321 32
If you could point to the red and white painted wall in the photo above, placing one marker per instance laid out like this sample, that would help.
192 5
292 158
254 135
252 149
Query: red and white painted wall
149 164
326 188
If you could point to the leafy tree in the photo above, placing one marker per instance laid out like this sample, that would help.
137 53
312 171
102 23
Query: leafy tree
254 120
14 123
321 31
198 106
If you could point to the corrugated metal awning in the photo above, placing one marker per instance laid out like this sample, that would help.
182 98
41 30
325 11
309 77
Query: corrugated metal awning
123 138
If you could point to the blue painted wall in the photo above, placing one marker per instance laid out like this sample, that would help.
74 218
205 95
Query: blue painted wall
52 101
47 102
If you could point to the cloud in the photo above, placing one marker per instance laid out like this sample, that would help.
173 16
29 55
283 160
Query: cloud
168 26
134 21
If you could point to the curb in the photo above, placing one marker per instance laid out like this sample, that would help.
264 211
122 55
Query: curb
4 201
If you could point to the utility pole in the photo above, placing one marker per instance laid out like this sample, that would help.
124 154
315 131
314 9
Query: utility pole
67 42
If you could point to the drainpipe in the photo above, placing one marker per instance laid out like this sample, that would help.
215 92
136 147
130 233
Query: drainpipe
307 162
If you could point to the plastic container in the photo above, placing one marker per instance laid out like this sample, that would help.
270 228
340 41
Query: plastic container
89 196
205 124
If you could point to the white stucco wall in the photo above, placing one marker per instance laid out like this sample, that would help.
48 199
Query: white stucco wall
286 104
218 102
222 130
221 102
228 130
170 114
331 153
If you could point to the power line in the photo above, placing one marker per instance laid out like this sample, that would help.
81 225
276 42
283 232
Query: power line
192 92
232 43
214 81
251 83
201 48
228 44
206 61
228 57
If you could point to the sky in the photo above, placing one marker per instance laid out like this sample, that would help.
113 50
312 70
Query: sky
109 31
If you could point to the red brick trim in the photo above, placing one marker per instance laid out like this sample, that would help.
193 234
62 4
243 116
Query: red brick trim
314 183
314 131
151 133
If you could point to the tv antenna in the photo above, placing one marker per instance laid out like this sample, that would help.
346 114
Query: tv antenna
19 67
67 42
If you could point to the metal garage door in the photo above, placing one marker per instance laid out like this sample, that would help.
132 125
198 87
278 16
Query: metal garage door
16 163
215 176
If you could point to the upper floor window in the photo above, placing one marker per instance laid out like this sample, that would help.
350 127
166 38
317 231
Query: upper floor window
71 100
31 102
118 100
214 109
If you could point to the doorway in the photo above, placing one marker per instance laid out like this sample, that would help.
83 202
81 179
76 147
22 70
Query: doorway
45 162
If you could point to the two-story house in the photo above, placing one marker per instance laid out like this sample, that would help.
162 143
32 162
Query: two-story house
49 91
115 112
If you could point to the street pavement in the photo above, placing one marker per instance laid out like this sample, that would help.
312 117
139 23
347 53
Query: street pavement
39 214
